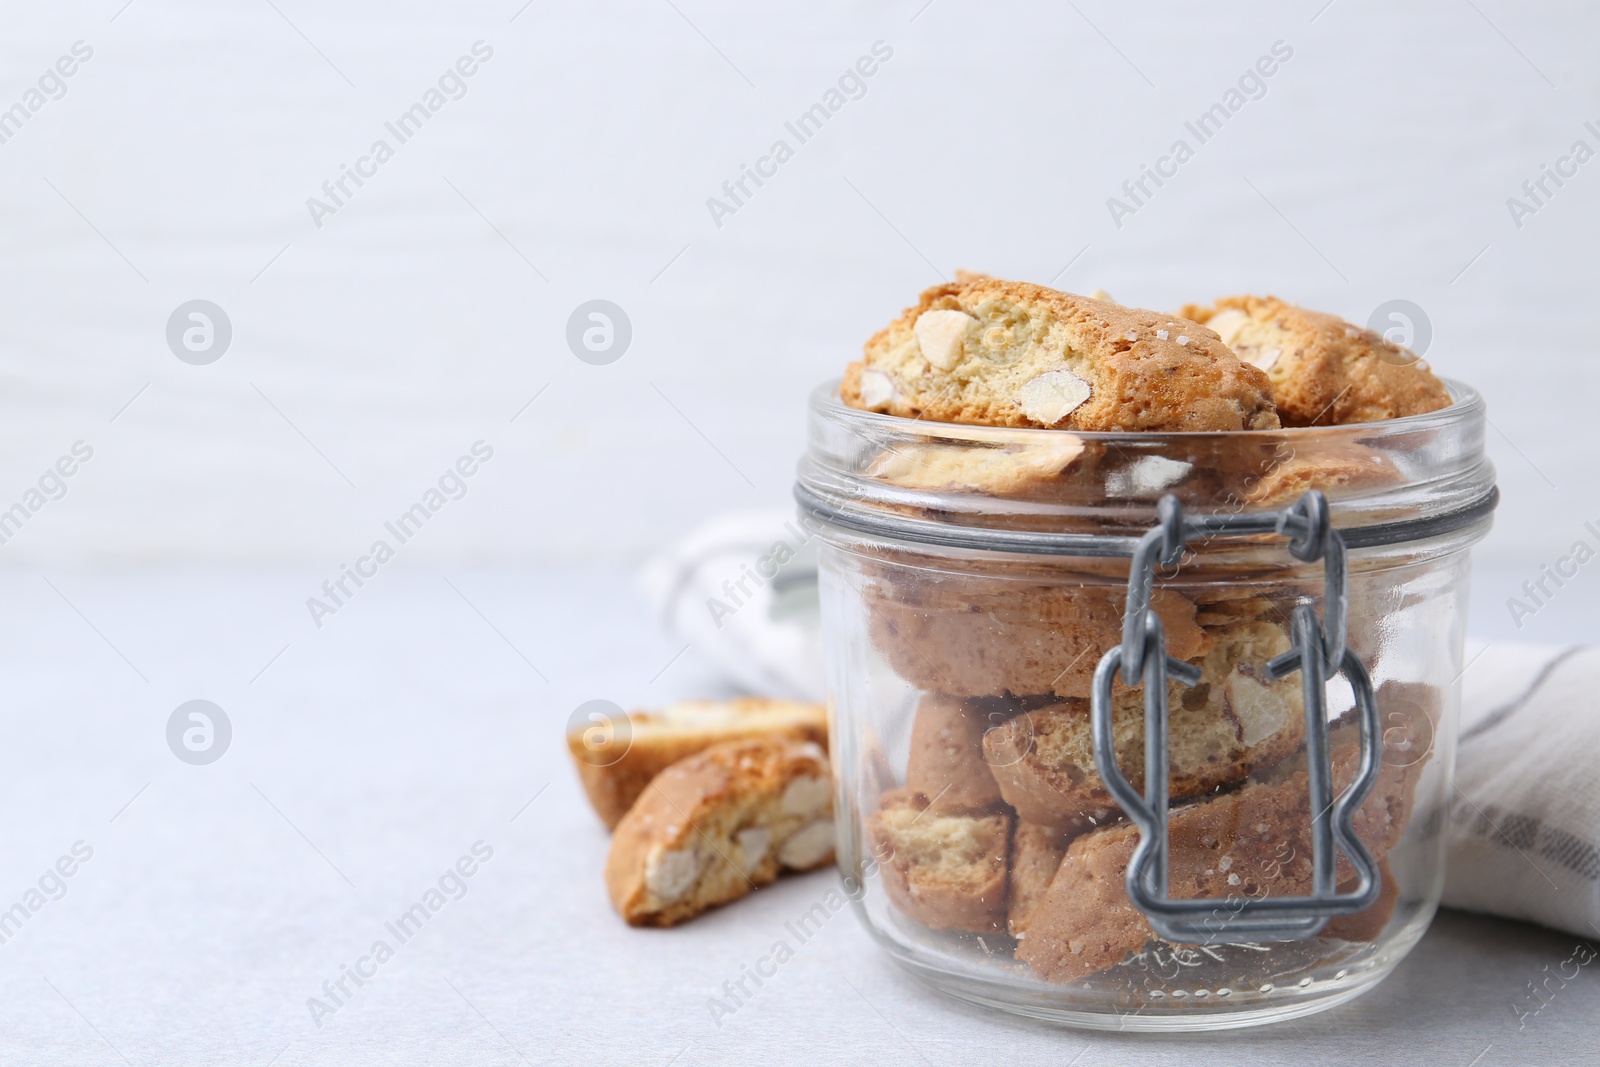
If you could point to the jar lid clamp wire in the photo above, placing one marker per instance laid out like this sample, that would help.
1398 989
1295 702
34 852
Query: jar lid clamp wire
1319 650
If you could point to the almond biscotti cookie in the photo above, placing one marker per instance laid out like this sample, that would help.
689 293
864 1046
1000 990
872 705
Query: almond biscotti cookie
616 763
970 636
946 762
1036 853
1233 723
1337 470
1255 841
998 353
1324 370
946 871
713 827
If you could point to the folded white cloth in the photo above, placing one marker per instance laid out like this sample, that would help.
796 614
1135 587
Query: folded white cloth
1524 832
1523 835
742 589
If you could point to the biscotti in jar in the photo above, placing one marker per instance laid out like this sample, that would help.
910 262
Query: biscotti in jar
1142 671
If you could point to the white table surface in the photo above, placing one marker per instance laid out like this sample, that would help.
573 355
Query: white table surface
373 753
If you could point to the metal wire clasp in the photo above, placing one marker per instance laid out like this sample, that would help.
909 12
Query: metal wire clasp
1319 651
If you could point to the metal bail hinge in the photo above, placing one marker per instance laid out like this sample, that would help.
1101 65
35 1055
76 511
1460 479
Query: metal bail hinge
1319 651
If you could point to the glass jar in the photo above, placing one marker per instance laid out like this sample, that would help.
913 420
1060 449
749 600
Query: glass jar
986 681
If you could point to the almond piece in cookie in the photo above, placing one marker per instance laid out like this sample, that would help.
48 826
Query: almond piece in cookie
1230 725
718 824
1255 841
946 871
1006 470
997 353
615 761
1324 370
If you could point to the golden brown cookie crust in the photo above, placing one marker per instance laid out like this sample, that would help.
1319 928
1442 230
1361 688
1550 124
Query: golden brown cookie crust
982 637
713 827
1143 370
1324 371
1036 853
654 740
946 761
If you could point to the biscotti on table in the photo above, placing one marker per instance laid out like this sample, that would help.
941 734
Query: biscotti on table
709 800
718 824
616 765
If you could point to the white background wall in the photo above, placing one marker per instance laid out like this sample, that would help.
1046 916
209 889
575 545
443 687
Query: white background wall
429 310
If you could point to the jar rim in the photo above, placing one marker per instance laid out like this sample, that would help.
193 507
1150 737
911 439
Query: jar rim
1433 477
1467 404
